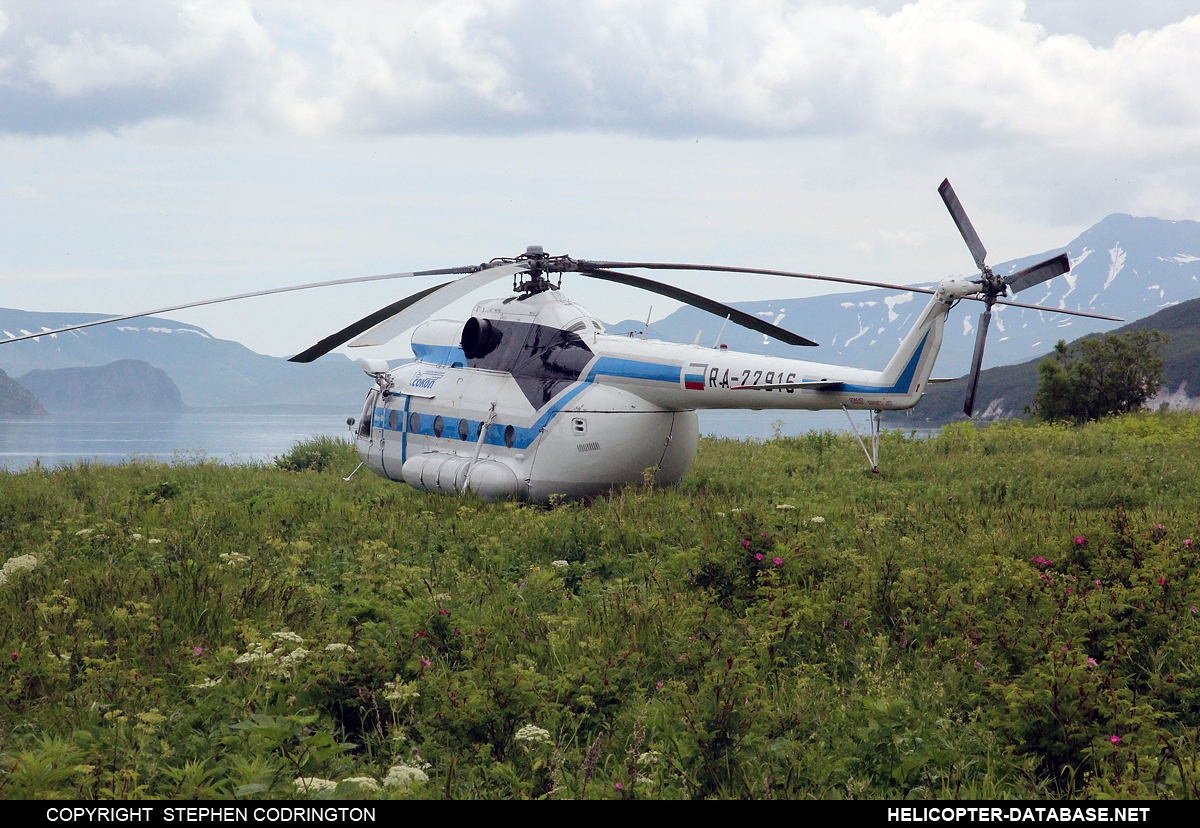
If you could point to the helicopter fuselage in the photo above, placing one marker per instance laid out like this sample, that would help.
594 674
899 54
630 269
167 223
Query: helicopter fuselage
532 399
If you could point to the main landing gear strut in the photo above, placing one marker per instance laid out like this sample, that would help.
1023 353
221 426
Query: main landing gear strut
873 454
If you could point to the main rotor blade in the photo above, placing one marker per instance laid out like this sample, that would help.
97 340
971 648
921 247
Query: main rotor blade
585 267
1049 310
345 334
964 224
985 319
1038 273
390 328
271 291
736 316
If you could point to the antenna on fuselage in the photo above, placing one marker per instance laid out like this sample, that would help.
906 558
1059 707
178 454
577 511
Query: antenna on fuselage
720 333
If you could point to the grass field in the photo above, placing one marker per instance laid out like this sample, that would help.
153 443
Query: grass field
1000 613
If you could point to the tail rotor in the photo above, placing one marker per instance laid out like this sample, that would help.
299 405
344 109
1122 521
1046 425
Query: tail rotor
991 286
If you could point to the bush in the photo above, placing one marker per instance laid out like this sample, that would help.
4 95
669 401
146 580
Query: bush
316 454
1113 374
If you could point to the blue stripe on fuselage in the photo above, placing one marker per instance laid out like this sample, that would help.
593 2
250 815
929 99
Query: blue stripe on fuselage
902 384
524 436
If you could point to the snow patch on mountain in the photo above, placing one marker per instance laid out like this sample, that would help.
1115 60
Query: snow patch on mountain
165 330
892 301
1117 256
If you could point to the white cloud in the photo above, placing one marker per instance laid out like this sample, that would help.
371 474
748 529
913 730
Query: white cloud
950 71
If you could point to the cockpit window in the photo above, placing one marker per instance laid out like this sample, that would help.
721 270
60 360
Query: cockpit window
578 326
542 359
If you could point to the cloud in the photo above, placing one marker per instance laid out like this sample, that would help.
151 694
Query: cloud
940 70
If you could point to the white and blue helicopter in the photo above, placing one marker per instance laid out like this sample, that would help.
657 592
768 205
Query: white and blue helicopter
531 399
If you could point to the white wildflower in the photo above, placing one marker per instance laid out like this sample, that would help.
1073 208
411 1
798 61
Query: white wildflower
83 532
315 784
650 757
288 636
336 648
533 733
257 652
232 559
207 683
365 782
12 566
560 564
154 540
399 776
816 520
442 596
785 506
295 656
136 536
399 692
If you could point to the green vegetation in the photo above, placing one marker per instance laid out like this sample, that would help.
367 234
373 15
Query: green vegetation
1100 377
1001 613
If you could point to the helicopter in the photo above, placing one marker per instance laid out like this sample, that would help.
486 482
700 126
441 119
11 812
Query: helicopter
532 399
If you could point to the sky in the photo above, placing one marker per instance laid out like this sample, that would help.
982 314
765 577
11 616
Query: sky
154 153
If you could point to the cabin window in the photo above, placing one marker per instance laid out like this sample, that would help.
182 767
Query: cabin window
368 414
438 426
414 422
394 420
510 436
464 429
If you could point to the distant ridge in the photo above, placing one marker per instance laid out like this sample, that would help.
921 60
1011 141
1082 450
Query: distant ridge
1005 391
209 372
17 401
124 386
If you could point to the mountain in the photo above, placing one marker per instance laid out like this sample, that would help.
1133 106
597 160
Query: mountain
1122 266
122 386
17 401
1005 391
209 372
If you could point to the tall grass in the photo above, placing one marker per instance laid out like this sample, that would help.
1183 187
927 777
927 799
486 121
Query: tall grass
1000 613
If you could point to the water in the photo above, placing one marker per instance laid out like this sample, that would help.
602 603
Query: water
245 437
256 436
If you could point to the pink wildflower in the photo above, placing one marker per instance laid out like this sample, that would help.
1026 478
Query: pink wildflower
745 543
1115 739
1080 540
197 651
758 557
777 561
1162 581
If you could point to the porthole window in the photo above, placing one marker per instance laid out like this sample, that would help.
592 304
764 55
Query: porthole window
394 420
438 425
464 428
510 436
414 422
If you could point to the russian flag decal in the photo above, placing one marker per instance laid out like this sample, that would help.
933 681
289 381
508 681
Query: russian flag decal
693 376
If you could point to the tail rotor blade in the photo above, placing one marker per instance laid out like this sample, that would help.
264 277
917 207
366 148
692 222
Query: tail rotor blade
964 224
985 319
1039 273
